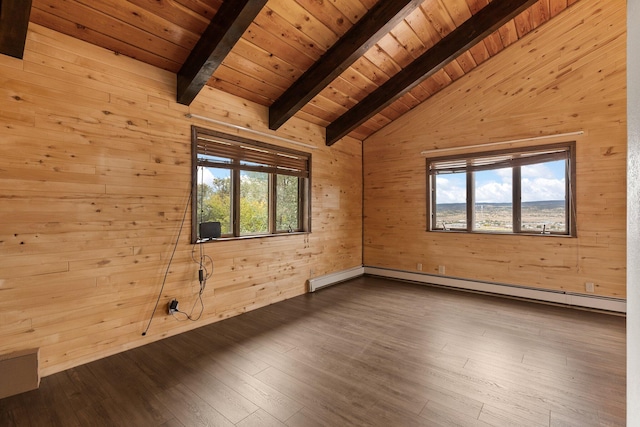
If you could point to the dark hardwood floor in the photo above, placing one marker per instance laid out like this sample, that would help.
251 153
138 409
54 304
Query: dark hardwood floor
366 352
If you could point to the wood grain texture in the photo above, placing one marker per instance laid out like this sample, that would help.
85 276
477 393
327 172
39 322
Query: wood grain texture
215 43
285 40
94 180
340 56
369 352
454 44
569 77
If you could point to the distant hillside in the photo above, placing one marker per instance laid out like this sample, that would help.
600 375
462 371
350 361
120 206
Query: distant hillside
542 205
539 216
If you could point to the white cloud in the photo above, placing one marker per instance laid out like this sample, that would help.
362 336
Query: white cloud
204 174
540 170
494 186
451 190
495 192
540 189
506 174
539 183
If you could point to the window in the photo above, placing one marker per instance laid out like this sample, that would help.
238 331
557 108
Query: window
250 188
522 191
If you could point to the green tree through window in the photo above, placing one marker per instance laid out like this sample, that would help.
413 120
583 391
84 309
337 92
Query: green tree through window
214 200
250 188
288 208
254 203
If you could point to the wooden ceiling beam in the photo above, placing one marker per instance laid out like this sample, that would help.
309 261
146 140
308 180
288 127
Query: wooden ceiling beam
14 22
225 29
475 29
380 19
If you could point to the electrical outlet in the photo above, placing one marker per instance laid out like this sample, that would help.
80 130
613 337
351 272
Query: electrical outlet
589 287
441 269
172 307
419 266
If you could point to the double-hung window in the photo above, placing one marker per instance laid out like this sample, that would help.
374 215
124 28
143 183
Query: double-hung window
251 188
517 191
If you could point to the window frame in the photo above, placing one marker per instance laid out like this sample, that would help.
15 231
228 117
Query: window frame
274 160
513 158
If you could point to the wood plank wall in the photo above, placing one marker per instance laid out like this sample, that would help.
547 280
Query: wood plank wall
94 180
569 75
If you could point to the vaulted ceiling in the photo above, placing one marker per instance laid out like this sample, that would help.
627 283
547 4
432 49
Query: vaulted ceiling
351 66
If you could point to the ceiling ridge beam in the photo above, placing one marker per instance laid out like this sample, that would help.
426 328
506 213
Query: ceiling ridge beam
375 24
14 22
469 33
225 29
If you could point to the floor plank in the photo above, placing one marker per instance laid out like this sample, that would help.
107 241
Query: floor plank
370 351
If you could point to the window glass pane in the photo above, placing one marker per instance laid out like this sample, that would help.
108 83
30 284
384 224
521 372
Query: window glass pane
251 188
287 203
543 186
214 197
493 208
254 203
544 197
451 201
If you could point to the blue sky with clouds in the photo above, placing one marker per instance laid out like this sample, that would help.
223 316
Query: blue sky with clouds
540 182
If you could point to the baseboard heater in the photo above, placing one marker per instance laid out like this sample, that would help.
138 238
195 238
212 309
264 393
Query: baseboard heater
559 297
566 298
333 278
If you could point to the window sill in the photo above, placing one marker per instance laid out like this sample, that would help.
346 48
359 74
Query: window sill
505 233
254 236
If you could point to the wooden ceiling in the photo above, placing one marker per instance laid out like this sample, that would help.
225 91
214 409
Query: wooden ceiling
280 40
